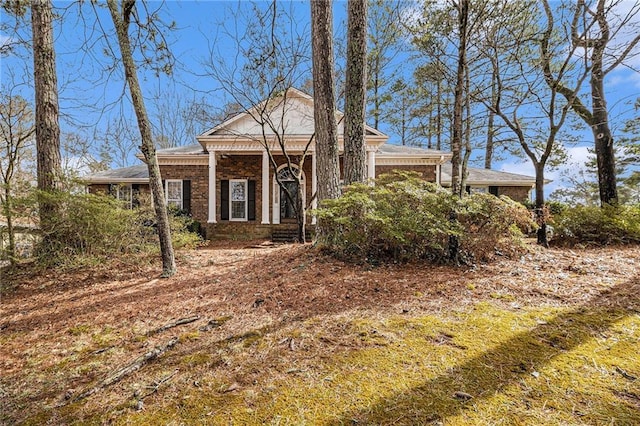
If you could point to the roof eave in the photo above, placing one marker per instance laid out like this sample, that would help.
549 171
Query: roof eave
105 180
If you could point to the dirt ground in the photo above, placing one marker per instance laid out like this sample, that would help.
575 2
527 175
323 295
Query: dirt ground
50 318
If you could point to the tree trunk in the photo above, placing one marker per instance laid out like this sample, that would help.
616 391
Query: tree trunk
376 99
355 94
540 210
430 127
301 217
456 137
121 23
464 173
8 214
324 100
603 139
439 115
488 151
46 119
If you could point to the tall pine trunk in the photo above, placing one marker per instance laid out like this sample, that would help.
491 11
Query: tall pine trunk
355 93
456 137
326 130
488 152
46 120
458 105
121 20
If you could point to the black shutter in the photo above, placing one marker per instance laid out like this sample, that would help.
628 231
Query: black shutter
113 189
493 190
186 196
224 200
135 195
251 207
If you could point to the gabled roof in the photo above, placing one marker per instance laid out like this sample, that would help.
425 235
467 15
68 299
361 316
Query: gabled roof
488 177
133 174
297 117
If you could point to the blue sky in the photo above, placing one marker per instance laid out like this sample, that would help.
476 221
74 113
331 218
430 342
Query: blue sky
89 94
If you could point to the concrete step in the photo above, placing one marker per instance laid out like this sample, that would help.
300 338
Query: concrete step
288 235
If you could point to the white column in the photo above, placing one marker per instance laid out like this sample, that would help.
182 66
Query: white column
265 187
212 186
371 167
314 185
438 174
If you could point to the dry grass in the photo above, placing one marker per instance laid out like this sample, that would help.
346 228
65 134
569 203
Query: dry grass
300 338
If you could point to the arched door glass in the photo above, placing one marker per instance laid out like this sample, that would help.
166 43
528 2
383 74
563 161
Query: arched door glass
289 184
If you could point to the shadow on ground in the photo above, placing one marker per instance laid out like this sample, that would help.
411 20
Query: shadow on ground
491 372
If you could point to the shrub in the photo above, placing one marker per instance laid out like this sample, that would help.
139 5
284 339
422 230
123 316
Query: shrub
402 217
405 218
91 227
492 226
597 225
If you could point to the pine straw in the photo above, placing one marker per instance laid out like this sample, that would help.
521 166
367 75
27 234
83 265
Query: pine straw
292 323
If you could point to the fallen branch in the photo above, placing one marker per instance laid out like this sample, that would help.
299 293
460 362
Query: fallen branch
153 388
215 323
172 324
129 368
626 375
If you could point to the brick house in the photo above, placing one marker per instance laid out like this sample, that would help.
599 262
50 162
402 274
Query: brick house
227 181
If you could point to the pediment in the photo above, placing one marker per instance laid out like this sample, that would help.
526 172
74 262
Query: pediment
290 114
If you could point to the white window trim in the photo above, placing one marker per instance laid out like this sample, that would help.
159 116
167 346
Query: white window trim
120 192
478 189
246 201
166 192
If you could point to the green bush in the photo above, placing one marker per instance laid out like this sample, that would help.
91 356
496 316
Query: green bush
404 218
492 226
90 227
596 225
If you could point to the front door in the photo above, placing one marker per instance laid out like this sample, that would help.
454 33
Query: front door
284 209
288 206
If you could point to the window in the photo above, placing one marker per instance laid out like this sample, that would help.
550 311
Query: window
174 193
238 199
123 193
478 190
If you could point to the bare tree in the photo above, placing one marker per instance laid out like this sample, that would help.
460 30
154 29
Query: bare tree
355 93
118 141
177 118
273 58
594 28
536 116
46 120
16 135
121 16
384 35
324 101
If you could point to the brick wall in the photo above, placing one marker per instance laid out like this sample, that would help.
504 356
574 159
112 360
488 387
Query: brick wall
199 177
516 193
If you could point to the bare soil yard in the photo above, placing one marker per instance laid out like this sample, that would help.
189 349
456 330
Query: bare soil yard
288 335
